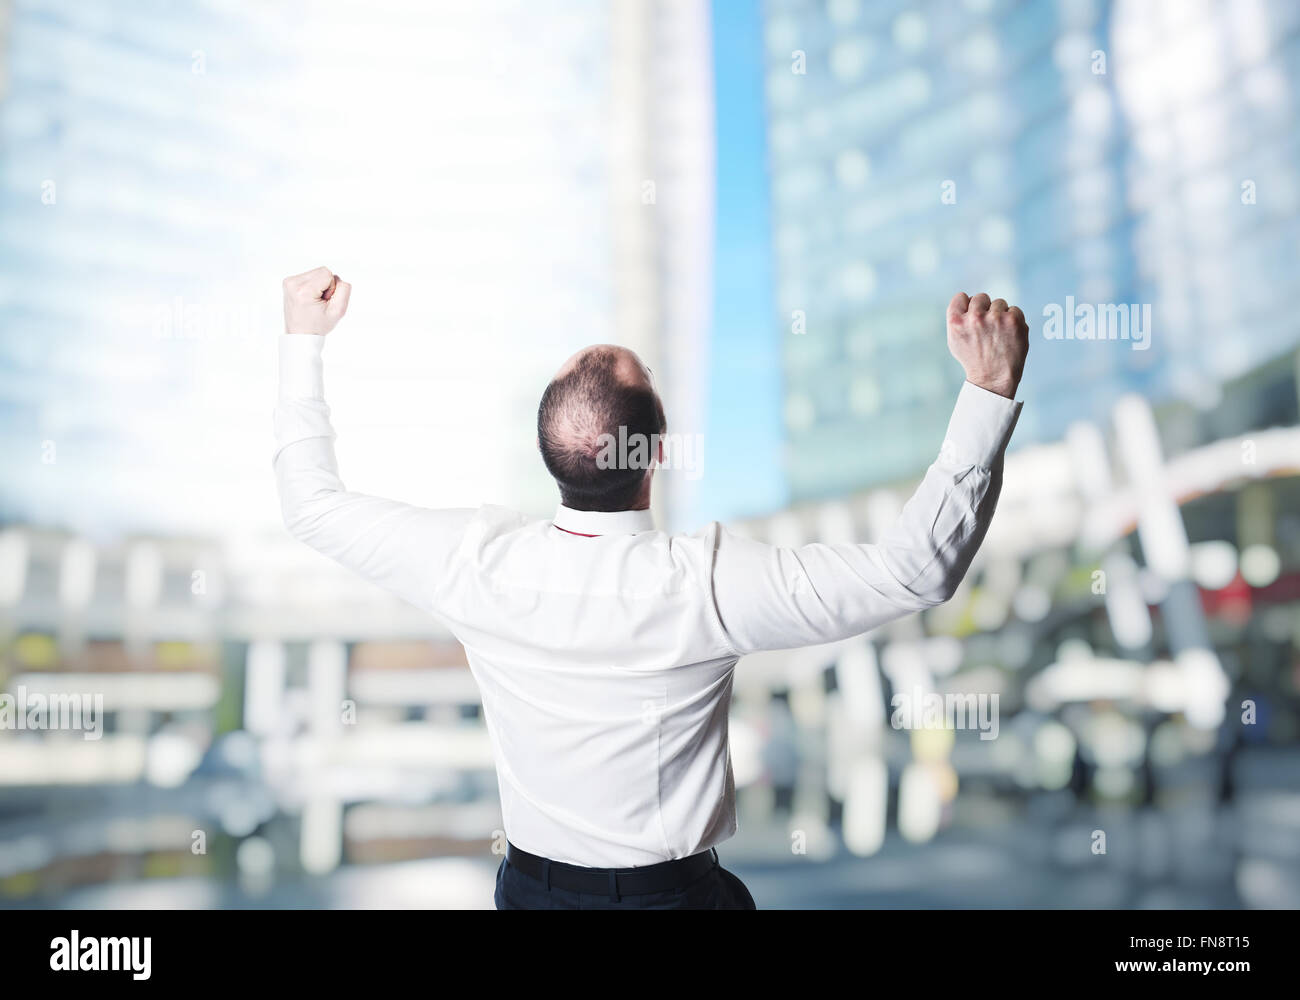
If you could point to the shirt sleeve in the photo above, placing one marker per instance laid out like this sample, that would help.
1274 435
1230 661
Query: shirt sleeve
400 547
771 597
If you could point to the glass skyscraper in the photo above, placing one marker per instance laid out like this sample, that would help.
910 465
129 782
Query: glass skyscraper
502 182
1065 155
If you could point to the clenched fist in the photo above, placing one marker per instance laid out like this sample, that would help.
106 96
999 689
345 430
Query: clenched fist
990 340
314 302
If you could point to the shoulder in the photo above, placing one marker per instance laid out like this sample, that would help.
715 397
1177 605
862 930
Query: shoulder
698 547
503 518
491 523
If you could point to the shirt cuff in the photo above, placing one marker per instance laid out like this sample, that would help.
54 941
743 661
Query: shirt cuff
980 427
301 366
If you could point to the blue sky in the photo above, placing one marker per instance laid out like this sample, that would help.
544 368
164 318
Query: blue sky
743 466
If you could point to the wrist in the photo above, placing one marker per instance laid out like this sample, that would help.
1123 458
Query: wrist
1002 385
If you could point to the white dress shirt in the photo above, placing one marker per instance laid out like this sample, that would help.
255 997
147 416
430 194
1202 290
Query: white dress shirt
605 663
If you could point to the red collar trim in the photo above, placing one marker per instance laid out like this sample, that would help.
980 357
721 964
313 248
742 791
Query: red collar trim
578 533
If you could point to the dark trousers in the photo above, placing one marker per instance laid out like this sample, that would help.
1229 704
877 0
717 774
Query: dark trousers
719 889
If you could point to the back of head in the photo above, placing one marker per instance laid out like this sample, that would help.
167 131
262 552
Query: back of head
588 415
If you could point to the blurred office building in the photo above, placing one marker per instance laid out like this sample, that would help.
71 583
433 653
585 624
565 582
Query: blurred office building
1054 154
504 183
1134 606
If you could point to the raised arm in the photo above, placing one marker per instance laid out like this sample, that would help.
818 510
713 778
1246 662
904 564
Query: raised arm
771 597
395 545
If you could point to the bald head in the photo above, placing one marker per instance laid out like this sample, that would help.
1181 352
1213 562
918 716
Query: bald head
599 392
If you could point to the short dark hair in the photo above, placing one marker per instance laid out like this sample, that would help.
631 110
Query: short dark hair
578 408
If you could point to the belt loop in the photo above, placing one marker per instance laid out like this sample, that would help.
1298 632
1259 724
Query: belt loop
613 885
546 873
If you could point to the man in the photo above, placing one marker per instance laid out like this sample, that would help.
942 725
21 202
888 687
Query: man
604 649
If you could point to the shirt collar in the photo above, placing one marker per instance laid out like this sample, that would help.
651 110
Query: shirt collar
603 522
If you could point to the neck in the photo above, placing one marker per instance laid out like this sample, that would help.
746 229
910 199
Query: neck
640 502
